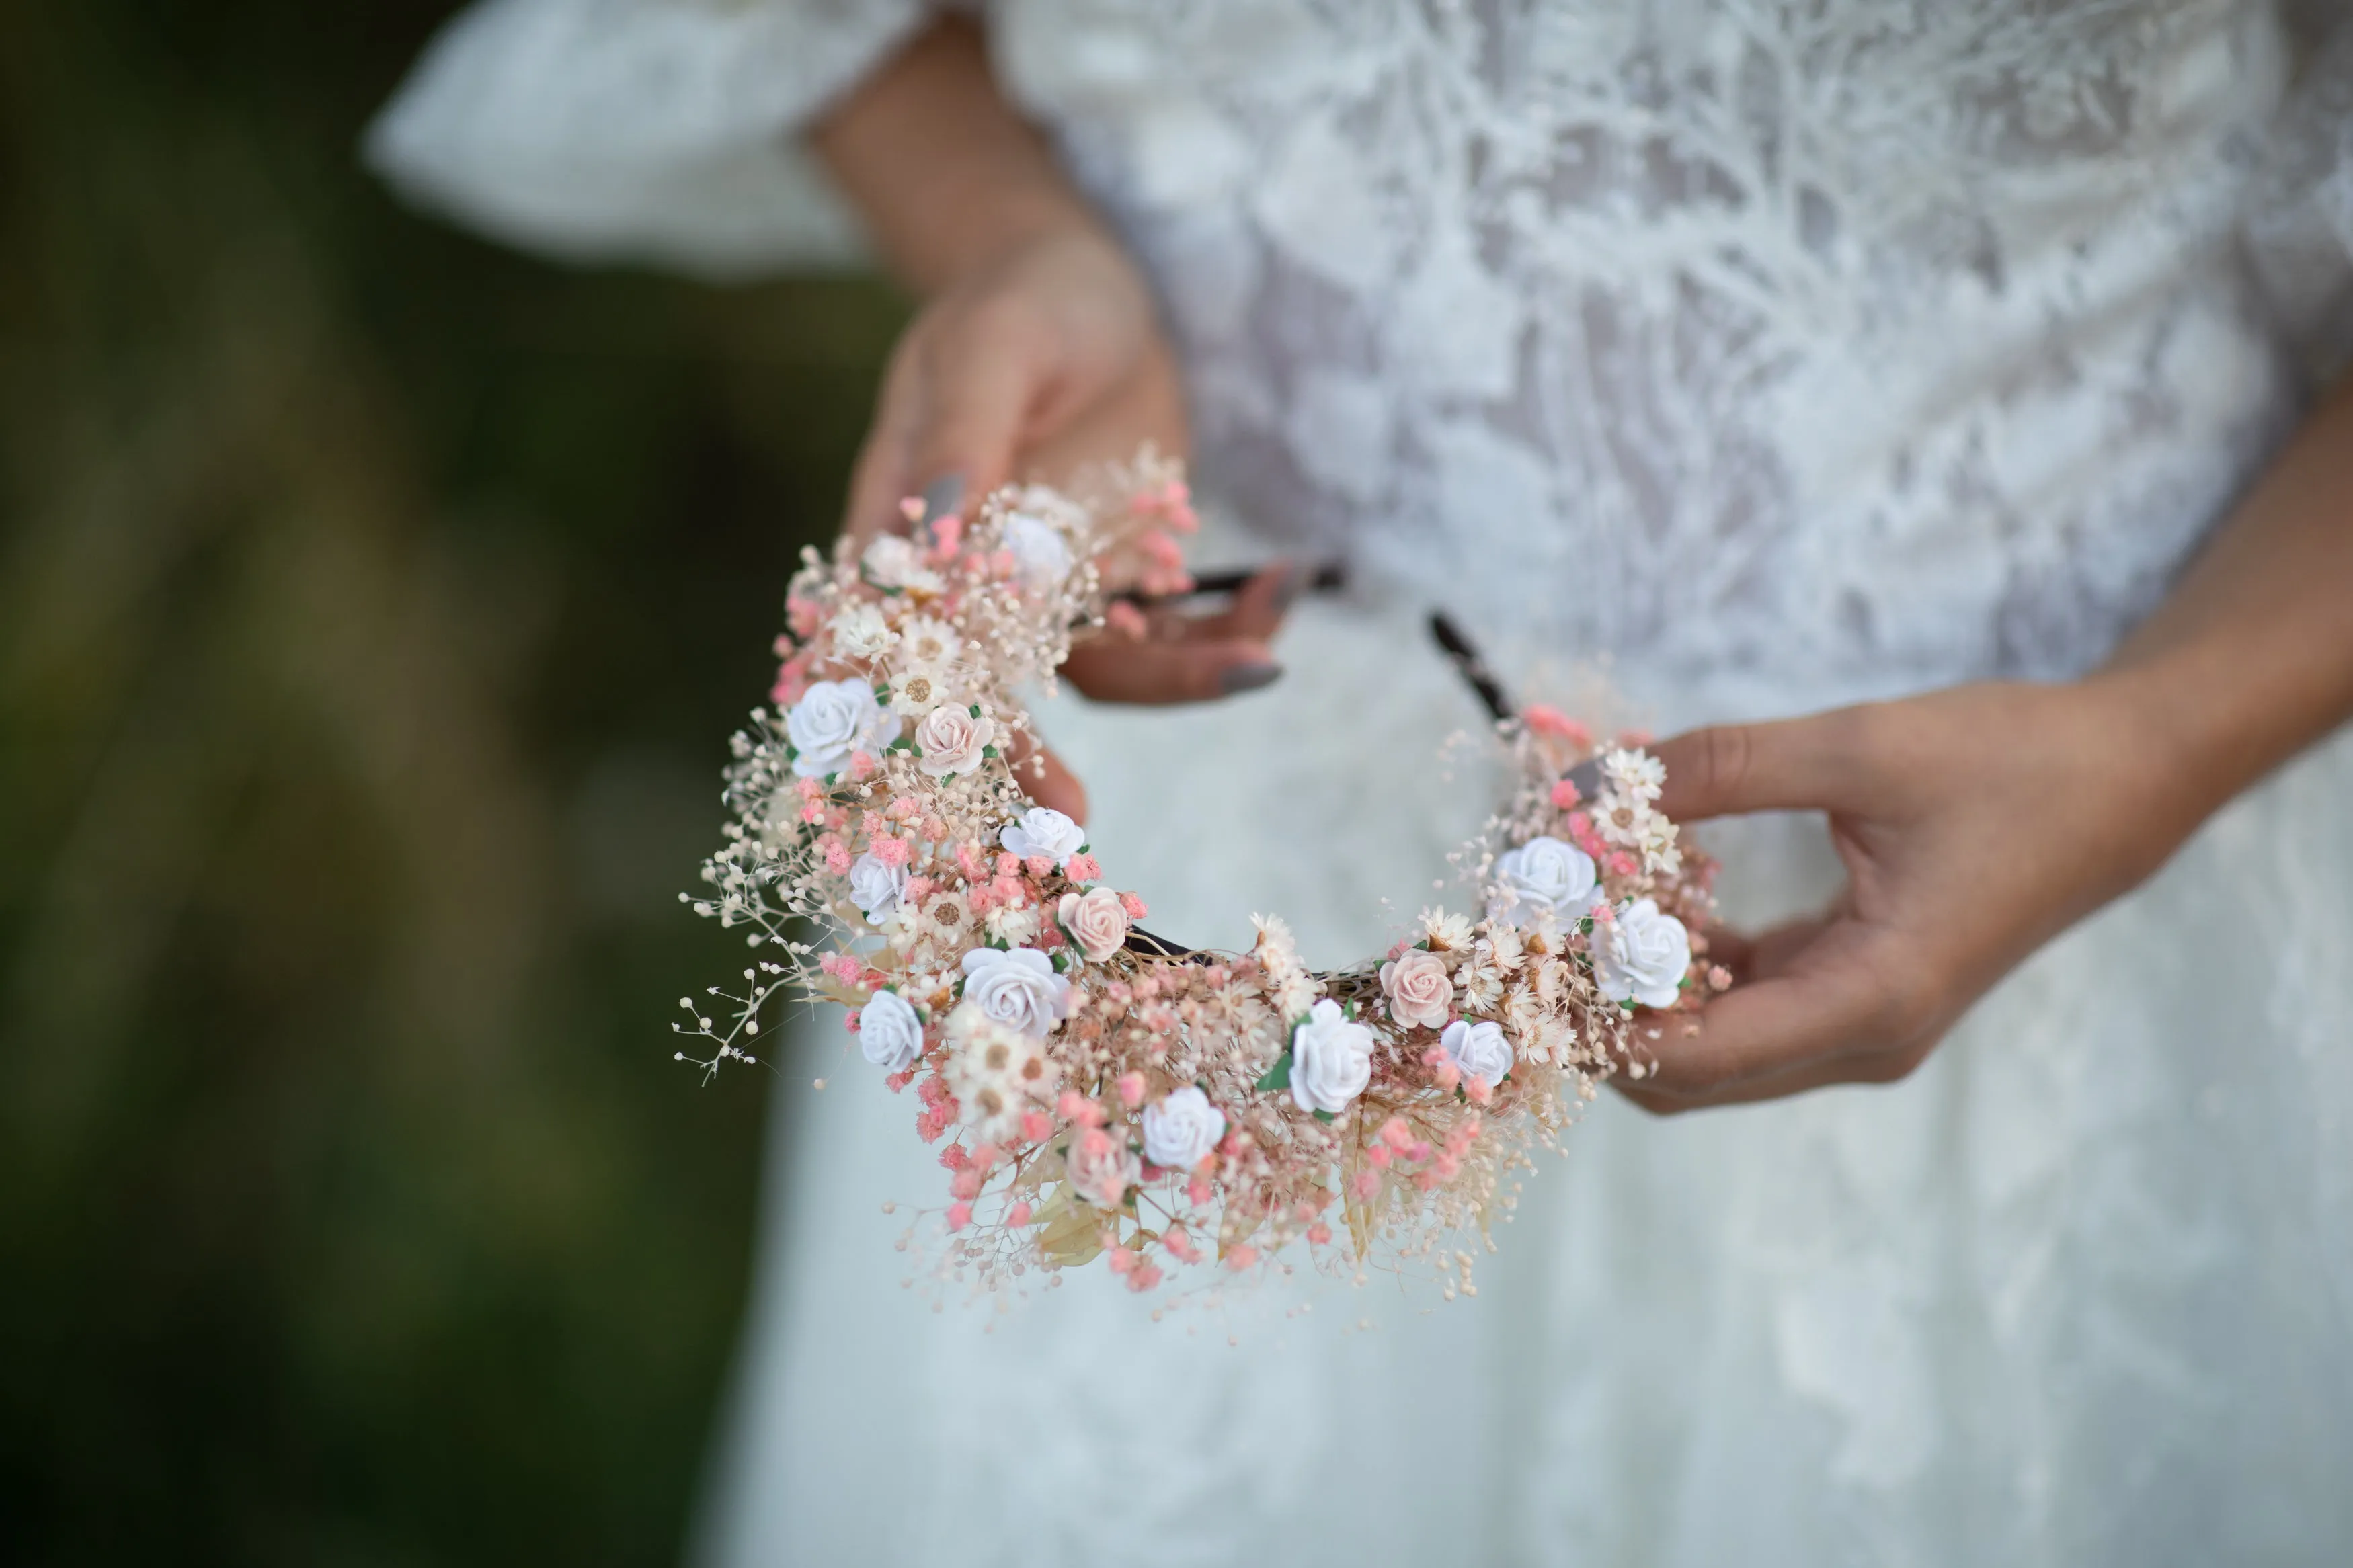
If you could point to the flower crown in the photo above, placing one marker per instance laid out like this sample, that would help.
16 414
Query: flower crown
1101 1092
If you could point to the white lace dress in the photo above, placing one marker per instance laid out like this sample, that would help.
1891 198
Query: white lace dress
1779 355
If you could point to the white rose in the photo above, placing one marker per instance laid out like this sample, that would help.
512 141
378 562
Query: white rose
1039 549
861 632
1043 830
1542 875
1331 1059
1017 987
1479 1049
1641 956
1180 1131
890 1032
1096 919
953 740
893 562
876 885
1420 989
832 720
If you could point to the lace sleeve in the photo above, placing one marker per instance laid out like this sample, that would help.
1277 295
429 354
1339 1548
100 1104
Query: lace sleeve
2299 227
642 129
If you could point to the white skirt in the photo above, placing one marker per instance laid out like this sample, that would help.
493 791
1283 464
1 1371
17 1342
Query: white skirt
2080 1290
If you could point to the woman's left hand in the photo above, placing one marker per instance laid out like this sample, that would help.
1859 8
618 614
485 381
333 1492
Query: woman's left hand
1976 824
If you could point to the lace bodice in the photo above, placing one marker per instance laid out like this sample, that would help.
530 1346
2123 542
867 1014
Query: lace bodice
1812 350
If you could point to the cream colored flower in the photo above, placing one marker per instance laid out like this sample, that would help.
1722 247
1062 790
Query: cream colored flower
947 919
918 688
1446 932
1637 775
861 631
1479 979
995 1073
893 562
1013 923
925 640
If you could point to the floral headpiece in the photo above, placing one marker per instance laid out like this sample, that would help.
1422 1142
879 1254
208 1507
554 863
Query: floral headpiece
1101 1092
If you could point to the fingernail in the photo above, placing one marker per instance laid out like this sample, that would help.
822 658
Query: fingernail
1586 777
1236 679
944 497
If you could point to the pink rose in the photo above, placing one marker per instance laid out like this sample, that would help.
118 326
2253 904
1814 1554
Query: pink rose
1096 920
1102 1166
952 741
1419 990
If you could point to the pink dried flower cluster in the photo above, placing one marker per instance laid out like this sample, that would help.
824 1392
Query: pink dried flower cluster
1098 1093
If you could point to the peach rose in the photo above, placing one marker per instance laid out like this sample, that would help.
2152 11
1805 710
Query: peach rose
1096 919
1419 990
952 741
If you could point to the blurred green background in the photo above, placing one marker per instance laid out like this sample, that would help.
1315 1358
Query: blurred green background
374 607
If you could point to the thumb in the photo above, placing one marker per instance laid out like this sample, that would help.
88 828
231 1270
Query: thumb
952 408
1793 764
972 401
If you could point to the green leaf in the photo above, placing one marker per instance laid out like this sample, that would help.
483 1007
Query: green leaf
989 751
1325 1117
976 710
1277 1077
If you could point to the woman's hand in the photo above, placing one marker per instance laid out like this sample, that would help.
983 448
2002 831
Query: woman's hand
1976 824
1037 350
1048 358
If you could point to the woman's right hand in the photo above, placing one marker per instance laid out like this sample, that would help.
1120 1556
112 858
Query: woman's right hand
1042 360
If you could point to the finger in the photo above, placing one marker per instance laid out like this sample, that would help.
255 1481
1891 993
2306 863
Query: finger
976 392
1832 1000
1863 1068
1115 669
879 481
1794 764
1258 608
